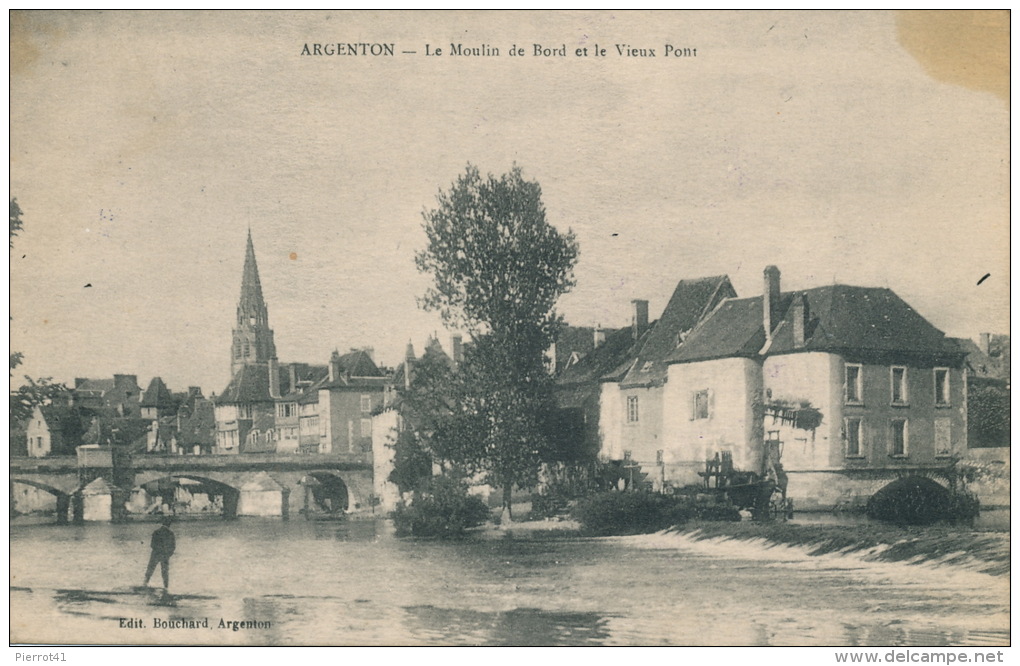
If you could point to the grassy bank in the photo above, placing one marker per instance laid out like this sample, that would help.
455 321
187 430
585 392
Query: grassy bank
987 552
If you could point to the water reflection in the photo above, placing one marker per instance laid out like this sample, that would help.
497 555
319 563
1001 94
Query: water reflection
321 582
516 627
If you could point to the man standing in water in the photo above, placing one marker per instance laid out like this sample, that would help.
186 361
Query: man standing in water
163 545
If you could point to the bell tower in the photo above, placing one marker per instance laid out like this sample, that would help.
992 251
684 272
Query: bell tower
253 339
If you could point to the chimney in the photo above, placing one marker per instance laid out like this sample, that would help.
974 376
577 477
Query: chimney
799 314
770 301
640 319
457 349
600 336
334 366
274 378
293 377
194 391
986 343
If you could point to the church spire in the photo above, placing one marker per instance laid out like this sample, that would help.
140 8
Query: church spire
253 339
251 286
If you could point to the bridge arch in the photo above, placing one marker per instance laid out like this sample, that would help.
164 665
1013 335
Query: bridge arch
31 502
223 496
325 490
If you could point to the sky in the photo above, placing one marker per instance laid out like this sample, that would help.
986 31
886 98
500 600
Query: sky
864 148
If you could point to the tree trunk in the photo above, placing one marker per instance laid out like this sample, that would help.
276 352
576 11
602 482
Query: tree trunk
507 510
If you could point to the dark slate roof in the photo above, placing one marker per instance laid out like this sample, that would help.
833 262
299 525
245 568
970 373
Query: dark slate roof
250 384
840 319
594 366
359 364
306 374
157 395
99 385
578 340
353 366
692 300
200 426
733 329
309 396
980 364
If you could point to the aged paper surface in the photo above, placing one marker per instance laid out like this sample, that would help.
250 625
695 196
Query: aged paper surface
860 148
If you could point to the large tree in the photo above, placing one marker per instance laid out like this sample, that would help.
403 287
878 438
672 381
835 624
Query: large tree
498 268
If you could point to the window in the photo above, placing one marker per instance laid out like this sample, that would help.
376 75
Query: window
941 387
854 388
701 404
852 434
898 385
898 438
632 409
366 427
247 349
244 411
366 403
943 437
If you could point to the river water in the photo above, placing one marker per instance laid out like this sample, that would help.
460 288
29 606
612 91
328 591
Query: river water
354 583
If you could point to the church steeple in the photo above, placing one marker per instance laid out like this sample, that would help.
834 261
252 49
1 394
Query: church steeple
253 339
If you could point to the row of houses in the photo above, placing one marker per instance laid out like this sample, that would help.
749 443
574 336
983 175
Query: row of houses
851 384
118 412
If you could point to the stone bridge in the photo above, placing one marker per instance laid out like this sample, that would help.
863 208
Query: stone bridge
245 484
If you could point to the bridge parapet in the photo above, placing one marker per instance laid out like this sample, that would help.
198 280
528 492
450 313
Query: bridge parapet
50 465
253 461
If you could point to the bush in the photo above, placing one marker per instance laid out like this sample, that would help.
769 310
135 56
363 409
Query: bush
443 509
617 513
548 505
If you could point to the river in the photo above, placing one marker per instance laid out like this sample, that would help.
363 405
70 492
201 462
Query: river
355 583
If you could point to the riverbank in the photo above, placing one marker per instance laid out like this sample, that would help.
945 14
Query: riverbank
983 551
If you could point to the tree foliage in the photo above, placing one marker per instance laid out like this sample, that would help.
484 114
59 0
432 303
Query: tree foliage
496 262
498 268
34 392
16 224
988 415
